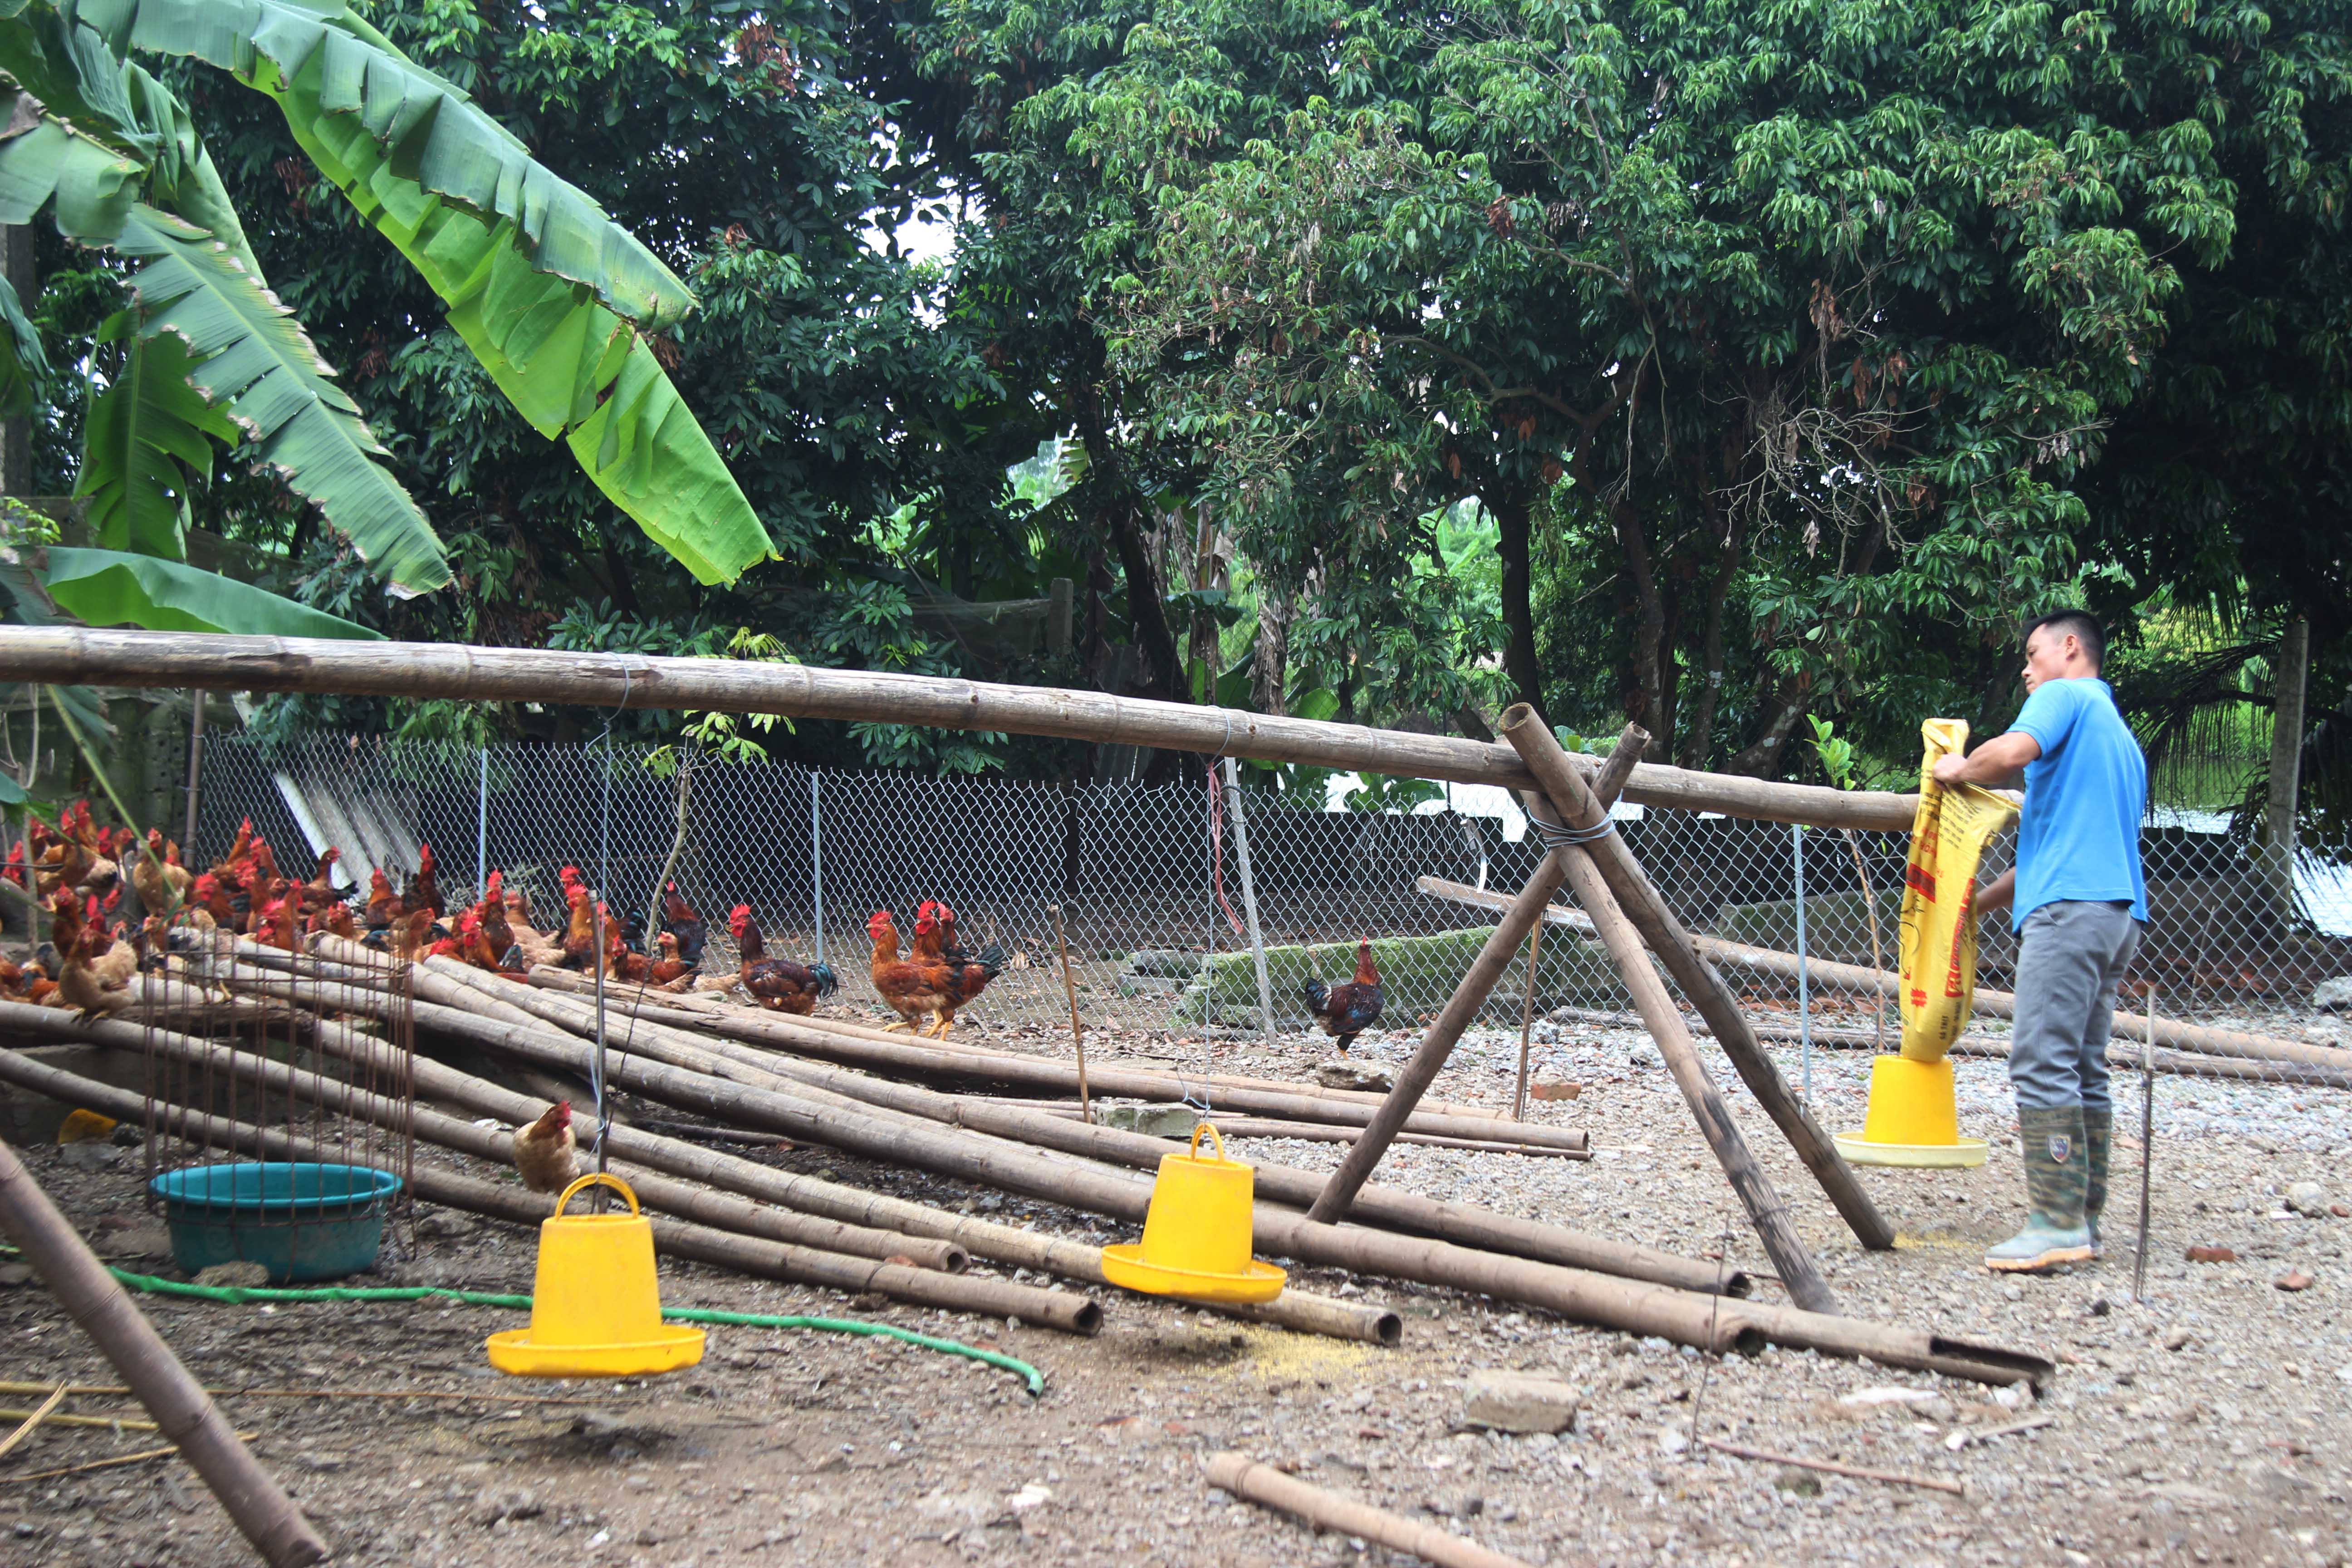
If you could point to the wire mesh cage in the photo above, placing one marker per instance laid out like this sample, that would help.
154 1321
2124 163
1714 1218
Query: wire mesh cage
1151 884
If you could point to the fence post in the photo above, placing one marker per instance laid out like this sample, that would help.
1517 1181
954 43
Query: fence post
816 866
482 821
1249 894
1804 996
195 765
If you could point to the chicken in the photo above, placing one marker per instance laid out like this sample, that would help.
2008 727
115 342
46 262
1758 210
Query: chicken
545 1154
320 890
778 983
972 972
913 989
671 971
425 891
162 886
383 906
498 937
408 940
579 929
275 926
96 978
681 921
212 897
337 919
1348 1008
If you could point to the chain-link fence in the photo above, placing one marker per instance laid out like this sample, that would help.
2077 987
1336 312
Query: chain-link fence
1156 897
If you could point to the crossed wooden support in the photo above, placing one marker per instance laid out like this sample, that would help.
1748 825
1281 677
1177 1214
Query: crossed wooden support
1634 922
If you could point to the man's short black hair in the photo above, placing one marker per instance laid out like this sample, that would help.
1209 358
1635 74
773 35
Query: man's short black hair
2079 624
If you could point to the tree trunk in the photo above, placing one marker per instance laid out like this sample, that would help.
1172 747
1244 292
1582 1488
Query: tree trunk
1696 744
1512 510
1761 757
2293 666
1647 706
1270 658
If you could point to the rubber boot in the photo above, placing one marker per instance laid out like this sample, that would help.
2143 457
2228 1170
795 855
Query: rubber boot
2057 1172
2098 1137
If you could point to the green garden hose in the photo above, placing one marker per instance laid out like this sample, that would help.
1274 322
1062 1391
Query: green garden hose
239 1295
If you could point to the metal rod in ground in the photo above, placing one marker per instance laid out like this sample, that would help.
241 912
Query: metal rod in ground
183 1411
1634 892
1804 994
1526 910
481 819
817 871
1262 1484
1526 1021
1077 1030
2147 1148
604 1098
1249 893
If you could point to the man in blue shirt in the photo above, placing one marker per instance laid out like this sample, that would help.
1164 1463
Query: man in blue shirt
2077 902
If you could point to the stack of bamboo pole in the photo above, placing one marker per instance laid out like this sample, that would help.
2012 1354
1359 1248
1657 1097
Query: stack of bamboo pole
1047 1157
741 1215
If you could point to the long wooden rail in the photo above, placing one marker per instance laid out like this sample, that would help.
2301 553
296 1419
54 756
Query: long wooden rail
74 655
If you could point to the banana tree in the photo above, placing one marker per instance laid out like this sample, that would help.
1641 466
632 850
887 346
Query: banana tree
554 298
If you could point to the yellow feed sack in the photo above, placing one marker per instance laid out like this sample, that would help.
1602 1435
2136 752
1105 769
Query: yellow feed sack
1939 926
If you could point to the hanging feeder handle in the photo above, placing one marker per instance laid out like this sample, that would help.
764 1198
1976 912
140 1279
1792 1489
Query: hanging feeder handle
602 1179
1199 1128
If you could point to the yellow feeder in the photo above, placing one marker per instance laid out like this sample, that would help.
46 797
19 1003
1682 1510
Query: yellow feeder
1196 1234
595 1307
1912 1119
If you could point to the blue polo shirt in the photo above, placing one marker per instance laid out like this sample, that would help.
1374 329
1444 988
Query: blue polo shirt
2078 836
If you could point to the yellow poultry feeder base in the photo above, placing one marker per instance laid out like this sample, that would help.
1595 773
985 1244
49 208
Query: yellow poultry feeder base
596 1306
1196 1234
1912 1120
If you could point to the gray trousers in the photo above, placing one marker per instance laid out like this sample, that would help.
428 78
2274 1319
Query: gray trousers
2071 955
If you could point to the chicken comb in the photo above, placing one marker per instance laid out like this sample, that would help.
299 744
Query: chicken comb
740 912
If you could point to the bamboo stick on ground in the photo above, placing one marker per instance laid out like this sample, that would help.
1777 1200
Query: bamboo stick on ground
1264 1485
262 1510
1324 1133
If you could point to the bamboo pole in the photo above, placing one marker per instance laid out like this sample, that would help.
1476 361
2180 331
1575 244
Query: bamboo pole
704 1010
1632 891
1339 1194
961 1151
1774 1225
182 1411
854 1206
1324 1133
1077 1029
757 1256
1263 1485
76 655
1527 1021
898 1055
1275 1184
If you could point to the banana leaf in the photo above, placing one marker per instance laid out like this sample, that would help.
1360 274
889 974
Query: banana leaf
147 445
110 587
549 293
24 364
254 361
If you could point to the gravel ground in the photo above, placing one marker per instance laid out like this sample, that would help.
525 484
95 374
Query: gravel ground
2206 1425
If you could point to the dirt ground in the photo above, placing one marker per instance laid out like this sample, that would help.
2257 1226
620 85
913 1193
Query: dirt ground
2207 1425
